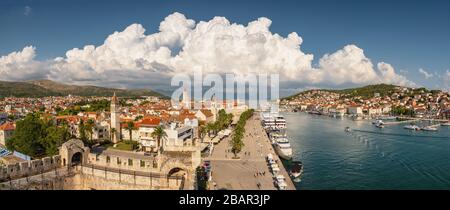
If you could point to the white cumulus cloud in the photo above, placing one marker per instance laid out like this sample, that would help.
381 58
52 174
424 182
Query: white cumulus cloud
425 73
133 58
350 65
446 79
21 65
27 10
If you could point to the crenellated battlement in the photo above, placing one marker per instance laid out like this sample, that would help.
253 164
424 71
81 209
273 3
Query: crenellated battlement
28 168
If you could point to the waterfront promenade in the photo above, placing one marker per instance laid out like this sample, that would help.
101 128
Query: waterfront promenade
239 174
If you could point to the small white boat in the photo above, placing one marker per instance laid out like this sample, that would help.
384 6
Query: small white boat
379 125
388 117
347 129
445 124
296 170
429 128
412 127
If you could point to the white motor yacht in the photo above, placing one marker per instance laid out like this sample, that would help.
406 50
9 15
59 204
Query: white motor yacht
283 148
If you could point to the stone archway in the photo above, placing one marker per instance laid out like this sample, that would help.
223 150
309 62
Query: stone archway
177 171
171 166
73 152
77 158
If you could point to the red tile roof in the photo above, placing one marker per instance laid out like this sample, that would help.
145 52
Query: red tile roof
207 112
7 126
150 121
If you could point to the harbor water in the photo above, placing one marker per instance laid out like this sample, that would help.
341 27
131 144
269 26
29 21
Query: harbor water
367 157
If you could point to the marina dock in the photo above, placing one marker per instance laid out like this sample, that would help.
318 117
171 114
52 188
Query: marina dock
251 168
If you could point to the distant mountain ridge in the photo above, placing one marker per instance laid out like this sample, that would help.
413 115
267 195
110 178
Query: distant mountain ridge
365 91
43 88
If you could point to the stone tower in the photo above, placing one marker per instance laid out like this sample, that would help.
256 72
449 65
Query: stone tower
115 118
214 107
186 99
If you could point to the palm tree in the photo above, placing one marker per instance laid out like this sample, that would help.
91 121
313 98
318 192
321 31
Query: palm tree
89 126
202 130
82 130
210 127
159 134
113 132
130 127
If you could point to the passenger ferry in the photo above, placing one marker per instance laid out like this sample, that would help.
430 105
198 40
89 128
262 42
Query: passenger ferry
273 121
275 126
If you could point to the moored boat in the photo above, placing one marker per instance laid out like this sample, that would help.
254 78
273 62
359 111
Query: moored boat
379 124
429 128
283 148
412 127
445 123
388 118
296 170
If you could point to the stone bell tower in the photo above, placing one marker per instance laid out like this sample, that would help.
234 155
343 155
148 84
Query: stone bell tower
115 119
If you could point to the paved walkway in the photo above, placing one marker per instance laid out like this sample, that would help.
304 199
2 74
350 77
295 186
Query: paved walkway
239 174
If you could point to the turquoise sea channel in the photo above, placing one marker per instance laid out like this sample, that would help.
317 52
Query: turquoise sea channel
367 157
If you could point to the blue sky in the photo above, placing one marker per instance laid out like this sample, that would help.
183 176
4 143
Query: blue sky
409 35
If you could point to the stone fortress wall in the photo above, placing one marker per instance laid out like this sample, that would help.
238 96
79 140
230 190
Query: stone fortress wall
29 168
92 178
79 168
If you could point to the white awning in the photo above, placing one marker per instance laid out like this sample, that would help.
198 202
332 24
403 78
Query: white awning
282 184
280 177
148 143
275 169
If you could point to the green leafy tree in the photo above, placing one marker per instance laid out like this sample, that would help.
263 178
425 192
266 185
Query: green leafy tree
26 137
238 133
38 136
55 137
237 144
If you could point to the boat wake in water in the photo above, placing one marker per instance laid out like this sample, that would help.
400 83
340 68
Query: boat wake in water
399 134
